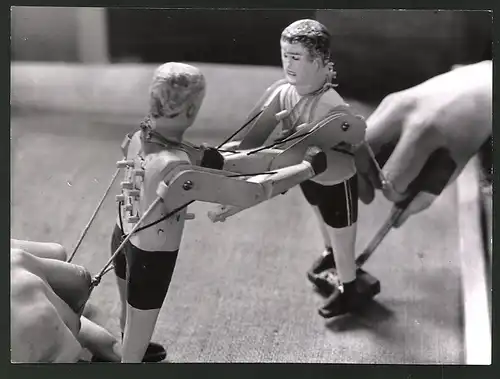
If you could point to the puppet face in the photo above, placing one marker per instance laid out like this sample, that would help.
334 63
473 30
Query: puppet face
299 67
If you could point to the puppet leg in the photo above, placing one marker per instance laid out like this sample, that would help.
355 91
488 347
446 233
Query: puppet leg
316 194
154 352
326 261
354 292
148 277
120 267
356 286
338 206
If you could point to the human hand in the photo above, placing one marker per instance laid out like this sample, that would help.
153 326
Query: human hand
451 111
47 297
43 325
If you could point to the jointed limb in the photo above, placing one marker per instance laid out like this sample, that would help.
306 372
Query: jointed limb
236 194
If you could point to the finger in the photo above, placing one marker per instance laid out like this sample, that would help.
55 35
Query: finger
90 311
68 316
38 331
41 249
69 347
34 267
368 171
407 160
421 202
366 190
384 153
384 124
55 275
70 282
99 341
362 158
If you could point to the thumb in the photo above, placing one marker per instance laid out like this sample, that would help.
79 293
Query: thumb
99 341
68 281
384 124
368 175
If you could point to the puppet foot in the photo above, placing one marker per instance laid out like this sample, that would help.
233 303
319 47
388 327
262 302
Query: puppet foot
318 274
154 353
355 296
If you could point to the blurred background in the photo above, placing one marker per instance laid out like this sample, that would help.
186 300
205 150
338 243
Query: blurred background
376 51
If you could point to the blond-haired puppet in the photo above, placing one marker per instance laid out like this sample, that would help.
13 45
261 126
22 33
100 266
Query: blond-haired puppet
145 266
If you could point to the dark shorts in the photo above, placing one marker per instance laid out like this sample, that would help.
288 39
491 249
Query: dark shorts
120 262
338 204
148 273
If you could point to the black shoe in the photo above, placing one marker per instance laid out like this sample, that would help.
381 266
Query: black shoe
317 275
323 263
154 353
354 297
326 282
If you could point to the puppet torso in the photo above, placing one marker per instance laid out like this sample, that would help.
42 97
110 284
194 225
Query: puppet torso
139 190
340 166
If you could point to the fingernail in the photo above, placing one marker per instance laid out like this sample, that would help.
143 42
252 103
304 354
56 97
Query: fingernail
85 274
390 192
386 183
